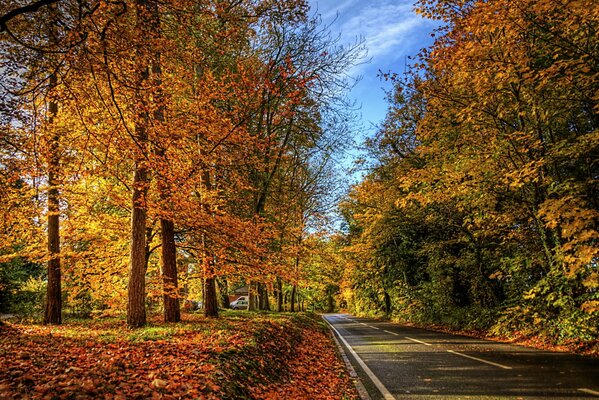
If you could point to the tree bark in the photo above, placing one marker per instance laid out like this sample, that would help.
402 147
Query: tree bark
387 300
292 300
53 306
279 294
251 297
223 290
136 308
330 301
263 303
172 311
210 299
53 310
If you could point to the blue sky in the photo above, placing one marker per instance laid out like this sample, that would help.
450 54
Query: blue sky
392 31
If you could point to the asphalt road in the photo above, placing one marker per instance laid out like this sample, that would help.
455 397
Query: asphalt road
399 362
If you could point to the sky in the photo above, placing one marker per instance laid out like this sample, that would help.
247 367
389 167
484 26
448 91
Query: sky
391 30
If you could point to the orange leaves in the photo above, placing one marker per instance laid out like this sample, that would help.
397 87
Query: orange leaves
266 357
577 224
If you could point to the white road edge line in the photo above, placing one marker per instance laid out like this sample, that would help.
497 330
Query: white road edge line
589 391
379 385
418 341
392 333
479 359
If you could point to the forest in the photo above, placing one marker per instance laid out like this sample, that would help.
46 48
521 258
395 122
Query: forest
480 205
158 153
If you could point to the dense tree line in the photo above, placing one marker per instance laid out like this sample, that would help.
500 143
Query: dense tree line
481 207
148 146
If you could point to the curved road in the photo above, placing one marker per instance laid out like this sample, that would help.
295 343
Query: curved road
399 362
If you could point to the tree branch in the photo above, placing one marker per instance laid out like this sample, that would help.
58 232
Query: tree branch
22 10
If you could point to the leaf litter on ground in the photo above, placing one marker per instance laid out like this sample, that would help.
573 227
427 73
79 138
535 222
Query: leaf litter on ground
241 355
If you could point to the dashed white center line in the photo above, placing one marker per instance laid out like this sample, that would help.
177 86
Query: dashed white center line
392 333
589 391
418 341
373 327
480 360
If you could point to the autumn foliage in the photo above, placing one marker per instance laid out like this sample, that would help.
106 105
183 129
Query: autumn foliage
149 149
236 357
481 209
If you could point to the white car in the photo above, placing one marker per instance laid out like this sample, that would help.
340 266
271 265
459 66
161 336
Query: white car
240 304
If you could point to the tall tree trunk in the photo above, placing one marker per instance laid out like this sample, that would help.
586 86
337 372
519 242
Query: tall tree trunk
330 301
223 289
292 300
251 297
279 294
53 311
136 308
387 300
263 303
172 311
210 298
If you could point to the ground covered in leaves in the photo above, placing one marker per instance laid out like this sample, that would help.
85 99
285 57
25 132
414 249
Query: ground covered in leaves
241 355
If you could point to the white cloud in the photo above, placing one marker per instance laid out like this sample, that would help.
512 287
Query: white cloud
387 27
330 9
391 31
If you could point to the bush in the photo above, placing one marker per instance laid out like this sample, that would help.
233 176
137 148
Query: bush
28 300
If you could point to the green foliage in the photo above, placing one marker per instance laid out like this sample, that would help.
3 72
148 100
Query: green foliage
28 300
21 287
480 210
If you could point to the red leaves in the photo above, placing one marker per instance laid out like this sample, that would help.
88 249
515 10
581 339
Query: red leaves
278 357
39 362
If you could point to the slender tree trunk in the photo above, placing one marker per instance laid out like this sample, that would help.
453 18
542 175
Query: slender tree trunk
136 308
260 296
53 306
251 297
172 311
263 303
279 294
387 300
292 300
210 299
330 301
53 311
210 296
223 289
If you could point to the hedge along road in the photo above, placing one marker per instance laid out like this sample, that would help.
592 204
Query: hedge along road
399 362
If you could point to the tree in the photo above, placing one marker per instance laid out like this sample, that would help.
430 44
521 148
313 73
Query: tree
473 184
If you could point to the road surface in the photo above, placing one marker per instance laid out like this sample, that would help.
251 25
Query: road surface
399 362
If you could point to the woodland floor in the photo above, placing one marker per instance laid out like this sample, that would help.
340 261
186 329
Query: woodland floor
240 355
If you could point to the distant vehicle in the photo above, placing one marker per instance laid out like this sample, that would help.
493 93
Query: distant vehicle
191 305
240 304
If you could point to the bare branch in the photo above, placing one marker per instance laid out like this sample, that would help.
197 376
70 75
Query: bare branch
33 7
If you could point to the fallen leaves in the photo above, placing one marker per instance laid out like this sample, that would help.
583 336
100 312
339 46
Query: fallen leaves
262 357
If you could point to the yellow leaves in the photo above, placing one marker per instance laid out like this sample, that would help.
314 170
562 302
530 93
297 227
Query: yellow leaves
590 307
592 281
577 224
